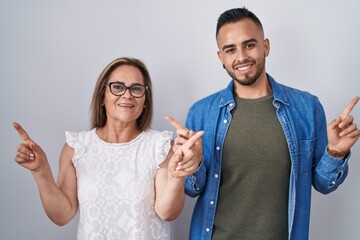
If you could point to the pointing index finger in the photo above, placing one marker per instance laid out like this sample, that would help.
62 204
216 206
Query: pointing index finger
191 141
23 134
349 107
175 123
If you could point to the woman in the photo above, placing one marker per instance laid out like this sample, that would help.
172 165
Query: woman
121 175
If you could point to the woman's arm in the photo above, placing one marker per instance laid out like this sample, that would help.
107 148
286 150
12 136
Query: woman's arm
169 181
59 200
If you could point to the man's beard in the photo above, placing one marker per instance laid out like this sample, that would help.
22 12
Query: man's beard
248 80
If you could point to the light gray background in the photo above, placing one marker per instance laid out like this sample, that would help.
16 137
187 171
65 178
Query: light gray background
51 53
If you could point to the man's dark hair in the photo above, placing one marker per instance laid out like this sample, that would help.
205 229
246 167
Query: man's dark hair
234 15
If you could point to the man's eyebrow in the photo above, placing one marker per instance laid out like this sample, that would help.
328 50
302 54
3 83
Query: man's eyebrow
243 43
249 41
228 46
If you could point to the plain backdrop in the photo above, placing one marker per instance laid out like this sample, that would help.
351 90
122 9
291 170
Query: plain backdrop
52 52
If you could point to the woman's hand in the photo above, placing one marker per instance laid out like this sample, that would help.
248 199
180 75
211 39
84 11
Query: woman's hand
29 154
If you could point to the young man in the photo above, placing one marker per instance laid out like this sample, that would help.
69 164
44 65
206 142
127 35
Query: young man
264 146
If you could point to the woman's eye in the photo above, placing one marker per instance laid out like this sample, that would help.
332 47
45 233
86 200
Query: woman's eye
118 87
137 89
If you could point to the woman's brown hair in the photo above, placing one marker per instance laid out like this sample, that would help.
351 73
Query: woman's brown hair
98 111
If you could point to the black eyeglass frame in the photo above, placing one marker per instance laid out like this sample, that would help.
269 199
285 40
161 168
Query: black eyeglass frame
127 88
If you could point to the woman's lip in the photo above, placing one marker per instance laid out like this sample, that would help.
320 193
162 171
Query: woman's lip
126 105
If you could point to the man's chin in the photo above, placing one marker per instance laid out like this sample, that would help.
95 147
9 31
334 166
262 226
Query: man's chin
245 82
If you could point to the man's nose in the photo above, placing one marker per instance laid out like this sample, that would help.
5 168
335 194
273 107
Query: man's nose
241 55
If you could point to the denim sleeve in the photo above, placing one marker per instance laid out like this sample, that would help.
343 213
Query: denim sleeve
330 172
195 183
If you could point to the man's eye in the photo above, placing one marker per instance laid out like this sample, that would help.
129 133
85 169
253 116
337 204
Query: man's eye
231 50
249 46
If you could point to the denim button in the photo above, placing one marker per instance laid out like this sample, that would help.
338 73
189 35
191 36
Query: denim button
218 148
225 121
207 229
216 176
211 202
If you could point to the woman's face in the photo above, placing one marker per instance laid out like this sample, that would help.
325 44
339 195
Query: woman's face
125 108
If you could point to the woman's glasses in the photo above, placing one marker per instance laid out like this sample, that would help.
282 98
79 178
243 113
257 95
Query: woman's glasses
136 90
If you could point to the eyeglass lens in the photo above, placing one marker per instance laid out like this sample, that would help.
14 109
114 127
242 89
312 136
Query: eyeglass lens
136 90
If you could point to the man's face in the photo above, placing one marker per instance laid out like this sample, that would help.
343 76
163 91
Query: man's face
242 51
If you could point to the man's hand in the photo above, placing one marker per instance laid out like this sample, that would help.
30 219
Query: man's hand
343 132
183 162
188 145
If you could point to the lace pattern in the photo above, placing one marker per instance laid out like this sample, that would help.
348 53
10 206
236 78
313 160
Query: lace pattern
116 185
165 146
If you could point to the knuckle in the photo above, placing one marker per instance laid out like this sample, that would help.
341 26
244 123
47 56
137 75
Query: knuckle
18 160
179 131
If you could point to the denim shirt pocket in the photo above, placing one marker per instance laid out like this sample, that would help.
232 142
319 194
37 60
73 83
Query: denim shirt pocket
306 149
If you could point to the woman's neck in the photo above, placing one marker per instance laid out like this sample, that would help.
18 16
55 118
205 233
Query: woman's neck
118 133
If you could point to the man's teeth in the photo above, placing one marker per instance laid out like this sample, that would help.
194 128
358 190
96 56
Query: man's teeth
243 68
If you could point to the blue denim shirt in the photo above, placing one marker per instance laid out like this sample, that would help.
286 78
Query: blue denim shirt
302 118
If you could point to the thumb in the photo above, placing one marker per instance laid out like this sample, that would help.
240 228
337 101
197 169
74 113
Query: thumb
334 123
36 148
175 159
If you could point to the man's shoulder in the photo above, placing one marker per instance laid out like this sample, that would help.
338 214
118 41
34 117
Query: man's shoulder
292 94
298 92
212 98
294 98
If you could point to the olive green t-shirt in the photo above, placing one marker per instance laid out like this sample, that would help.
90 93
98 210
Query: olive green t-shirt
253 195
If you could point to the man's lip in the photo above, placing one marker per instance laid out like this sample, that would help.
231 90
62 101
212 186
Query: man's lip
244 67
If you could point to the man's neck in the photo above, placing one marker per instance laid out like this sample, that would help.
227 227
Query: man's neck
260 88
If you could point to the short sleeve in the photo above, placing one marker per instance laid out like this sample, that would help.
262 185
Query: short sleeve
73 141
164 146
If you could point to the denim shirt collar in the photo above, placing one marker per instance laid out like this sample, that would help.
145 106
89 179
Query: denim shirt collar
227 96
279 93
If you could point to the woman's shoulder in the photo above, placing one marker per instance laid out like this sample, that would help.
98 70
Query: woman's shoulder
156 134
79 136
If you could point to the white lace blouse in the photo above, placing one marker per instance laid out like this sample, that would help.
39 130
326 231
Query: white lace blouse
115 185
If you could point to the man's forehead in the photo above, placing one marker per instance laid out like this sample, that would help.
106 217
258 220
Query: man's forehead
244 26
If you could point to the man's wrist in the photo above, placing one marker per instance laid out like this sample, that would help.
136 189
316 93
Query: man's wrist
336 154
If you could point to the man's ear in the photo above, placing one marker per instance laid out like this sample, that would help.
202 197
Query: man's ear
219 54
267 47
